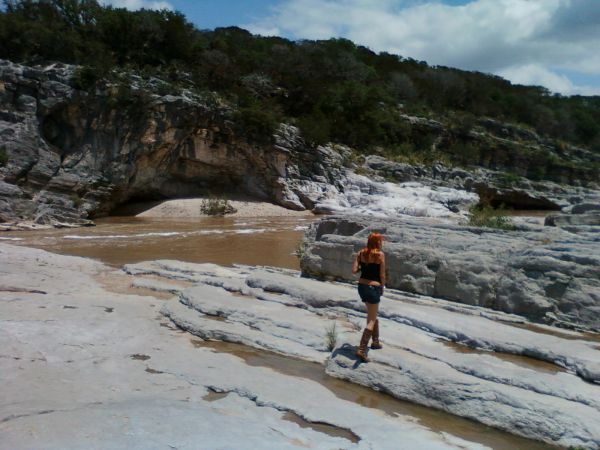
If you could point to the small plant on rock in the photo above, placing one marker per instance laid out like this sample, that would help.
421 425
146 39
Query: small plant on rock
85 78
76 200
488 217
216 206
510 178
300 249
331 337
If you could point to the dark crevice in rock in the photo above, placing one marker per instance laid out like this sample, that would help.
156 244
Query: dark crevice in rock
20 416
514 198
321 427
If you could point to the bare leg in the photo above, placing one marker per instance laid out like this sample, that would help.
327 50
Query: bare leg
371 315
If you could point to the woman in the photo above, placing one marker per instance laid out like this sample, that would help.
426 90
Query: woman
371 263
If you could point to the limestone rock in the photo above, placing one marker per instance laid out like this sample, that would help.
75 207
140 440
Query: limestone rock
578 219
82 364
426 357
583 208
493 187
63 143
545 274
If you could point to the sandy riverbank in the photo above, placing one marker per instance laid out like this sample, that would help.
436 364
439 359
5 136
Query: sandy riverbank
192 207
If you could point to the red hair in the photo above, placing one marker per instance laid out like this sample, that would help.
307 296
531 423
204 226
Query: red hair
374 242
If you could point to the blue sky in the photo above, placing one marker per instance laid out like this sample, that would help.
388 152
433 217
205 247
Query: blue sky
553 43
221 13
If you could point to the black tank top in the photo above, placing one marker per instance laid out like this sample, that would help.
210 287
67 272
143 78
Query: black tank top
370 271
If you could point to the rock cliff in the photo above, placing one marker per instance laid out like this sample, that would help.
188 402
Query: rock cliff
69 154
547 274
493 187
73 154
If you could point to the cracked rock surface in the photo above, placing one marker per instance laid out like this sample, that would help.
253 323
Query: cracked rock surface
547 274
495 368
87 362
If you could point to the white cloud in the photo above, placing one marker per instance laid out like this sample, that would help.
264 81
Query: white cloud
533 74
522 39
138 4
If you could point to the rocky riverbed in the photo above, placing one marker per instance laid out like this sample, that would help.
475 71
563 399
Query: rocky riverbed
95 356
100 351
547 274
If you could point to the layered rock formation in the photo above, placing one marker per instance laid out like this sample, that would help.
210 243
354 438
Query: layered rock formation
86 367
582 214
547 274
73 154
469 361
493 187
509 148
67 155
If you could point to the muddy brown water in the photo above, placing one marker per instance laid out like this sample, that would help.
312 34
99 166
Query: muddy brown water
433 419
221 240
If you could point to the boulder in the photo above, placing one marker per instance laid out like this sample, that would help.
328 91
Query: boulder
577 219
545 274
583 208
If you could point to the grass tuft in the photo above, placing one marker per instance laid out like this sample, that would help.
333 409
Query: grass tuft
331 336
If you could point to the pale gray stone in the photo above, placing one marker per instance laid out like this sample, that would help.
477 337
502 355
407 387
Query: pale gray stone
545 274
83 367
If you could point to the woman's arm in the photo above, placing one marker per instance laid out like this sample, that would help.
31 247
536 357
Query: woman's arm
356 263
382 270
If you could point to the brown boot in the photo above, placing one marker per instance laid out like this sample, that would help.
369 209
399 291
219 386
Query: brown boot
376 345
362 348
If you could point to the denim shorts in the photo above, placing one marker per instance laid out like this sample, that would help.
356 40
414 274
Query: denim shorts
369 294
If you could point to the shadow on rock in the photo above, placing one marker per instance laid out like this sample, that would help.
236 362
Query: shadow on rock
348 351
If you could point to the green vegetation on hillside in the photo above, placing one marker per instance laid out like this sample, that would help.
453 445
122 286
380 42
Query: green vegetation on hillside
334 90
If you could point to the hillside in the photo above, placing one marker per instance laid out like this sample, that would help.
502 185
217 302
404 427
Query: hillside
333 90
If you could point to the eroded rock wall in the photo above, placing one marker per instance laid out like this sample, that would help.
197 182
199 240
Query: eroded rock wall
495 188
546 274
74 154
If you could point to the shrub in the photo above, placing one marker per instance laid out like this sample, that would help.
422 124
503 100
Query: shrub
76 200
408 154
86 77
362 170
215 206
166 89
331 336
300 249
3 157
315 129
510 178
466 153
488 217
